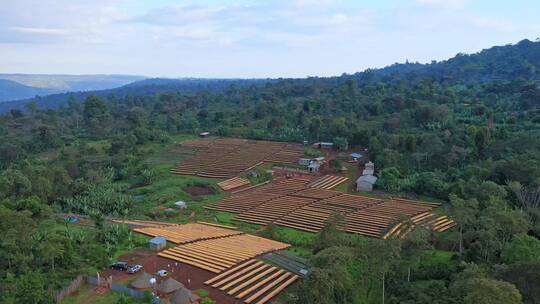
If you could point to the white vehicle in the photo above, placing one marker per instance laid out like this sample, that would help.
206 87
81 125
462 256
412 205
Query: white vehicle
134 268
162 273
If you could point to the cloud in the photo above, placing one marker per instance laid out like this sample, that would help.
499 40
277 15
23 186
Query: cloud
40 30
241 38
443 4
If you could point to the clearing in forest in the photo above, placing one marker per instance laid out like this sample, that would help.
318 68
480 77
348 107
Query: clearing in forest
228 157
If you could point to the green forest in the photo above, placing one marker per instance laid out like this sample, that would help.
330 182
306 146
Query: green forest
464 132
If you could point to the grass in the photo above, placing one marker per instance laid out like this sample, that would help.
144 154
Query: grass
434 257
352 174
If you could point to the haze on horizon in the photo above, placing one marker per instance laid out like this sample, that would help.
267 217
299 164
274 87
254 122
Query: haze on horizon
245 39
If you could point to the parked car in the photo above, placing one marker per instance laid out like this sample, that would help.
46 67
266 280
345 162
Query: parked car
120 266
134 268
162 273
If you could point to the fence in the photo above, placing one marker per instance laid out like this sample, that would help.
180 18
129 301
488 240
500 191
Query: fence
118 287
66 291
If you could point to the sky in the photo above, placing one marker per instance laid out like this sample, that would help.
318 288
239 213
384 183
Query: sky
250 39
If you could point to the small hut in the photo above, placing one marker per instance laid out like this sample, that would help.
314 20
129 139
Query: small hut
180 204
169 285
142 281
184 296
157 243
369 168
365 183
314 167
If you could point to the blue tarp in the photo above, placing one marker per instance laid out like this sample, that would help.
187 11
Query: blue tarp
356 155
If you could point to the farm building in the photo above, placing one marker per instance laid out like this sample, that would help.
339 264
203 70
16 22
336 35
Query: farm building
324 145
180 204
304 161
157 243
369 168
365 183
314 167
356 156
204 134
170 285
142 281
184 296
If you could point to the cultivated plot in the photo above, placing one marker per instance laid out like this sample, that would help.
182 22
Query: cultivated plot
217 255
253 281
292 203
228 157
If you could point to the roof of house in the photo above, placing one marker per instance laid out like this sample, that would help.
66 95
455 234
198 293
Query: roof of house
367 178
368 171
142 281
158 240
169 285
184 296
356 155
314 165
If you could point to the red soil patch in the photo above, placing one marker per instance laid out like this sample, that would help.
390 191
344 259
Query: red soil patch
198 190
178 271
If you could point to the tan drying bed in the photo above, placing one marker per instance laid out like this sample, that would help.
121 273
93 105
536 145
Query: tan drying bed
180 234
253 281
328 182
217 255
293 203
233 183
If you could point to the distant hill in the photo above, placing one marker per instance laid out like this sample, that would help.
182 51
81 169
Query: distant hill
10 90
499 63
72 82
50 84
146 87
505 63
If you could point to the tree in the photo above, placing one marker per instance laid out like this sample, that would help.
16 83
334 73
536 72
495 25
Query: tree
330 235
329 281
522 248
341 143
489 291
526 277
464 213
529 200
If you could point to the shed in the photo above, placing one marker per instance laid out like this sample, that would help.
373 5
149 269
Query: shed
314 167
204 134
365 183
369 168
180 204
320 159
356 155
324 145
142 281
157 243
184 296
304 161
169 285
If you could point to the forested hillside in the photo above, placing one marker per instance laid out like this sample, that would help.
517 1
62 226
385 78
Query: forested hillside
465 132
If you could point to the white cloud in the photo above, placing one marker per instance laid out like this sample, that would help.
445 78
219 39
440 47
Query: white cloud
444 4
40 30
242 38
